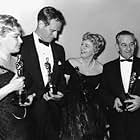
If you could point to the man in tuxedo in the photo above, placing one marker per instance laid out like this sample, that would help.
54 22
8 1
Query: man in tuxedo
38 50
120 89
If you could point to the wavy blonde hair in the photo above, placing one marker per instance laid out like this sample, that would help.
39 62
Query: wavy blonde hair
97 40
9 23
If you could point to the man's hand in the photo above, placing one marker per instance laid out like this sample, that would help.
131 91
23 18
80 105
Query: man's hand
118 105
50 96
134 103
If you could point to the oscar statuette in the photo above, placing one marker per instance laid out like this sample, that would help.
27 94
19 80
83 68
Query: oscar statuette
19 67
133 79
51 88
18 98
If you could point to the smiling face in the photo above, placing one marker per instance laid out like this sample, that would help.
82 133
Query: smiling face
126 45
49 32
11 41
87 49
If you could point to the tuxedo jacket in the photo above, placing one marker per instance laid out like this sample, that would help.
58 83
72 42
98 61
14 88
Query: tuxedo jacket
112 85
45 113
123 125
32 66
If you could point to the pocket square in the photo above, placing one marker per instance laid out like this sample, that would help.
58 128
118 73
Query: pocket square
138 77
59 63
67 77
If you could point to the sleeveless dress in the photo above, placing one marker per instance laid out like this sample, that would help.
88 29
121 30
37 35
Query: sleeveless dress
83 116
11 127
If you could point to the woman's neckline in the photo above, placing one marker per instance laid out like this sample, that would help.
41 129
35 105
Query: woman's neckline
74 68
8 64
90 75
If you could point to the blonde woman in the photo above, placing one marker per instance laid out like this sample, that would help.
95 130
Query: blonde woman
83 77
11 113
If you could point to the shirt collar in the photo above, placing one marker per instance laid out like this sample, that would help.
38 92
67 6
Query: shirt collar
122 58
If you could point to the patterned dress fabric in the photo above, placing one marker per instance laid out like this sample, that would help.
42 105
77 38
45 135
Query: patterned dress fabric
83 115
11 128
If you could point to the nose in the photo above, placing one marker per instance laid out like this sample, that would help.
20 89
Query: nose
20 40
128 48
83 47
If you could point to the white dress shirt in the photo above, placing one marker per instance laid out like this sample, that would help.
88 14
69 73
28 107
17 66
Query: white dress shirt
43 52
126 68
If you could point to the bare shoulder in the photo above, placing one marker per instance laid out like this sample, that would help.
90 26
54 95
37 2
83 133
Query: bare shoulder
74 61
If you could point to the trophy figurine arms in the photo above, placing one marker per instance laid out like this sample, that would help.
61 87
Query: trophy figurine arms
29 100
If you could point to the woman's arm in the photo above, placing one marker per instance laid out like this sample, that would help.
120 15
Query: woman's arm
14 85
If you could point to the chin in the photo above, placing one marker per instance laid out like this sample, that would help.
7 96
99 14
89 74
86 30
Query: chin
127 56
16 51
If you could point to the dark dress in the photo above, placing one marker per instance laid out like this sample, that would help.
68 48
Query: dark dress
83 117
11 127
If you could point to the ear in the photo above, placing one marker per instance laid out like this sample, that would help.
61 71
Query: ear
41 24
117 47
96 50
136 43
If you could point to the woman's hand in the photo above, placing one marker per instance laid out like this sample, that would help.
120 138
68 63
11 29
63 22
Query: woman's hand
17 83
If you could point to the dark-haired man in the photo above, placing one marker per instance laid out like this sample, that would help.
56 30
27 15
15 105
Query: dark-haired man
37 48
121 89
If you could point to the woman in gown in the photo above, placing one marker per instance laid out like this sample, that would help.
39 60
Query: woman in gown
83 116
12 124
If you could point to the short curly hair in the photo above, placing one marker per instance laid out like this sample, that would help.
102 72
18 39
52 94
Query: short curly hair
97 40
8 23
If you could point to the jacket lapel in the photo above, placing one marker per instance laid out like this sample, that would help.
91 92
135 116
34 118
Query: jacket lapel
119 77
34 63
55 56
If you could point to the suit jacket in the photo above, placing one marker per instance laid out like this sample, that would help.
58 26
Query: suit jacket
31 65
125 125
112 85
46 114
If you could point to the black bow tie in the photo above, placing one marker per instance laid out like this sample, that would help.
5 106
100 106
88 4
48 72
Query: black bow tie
126 60
43 42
